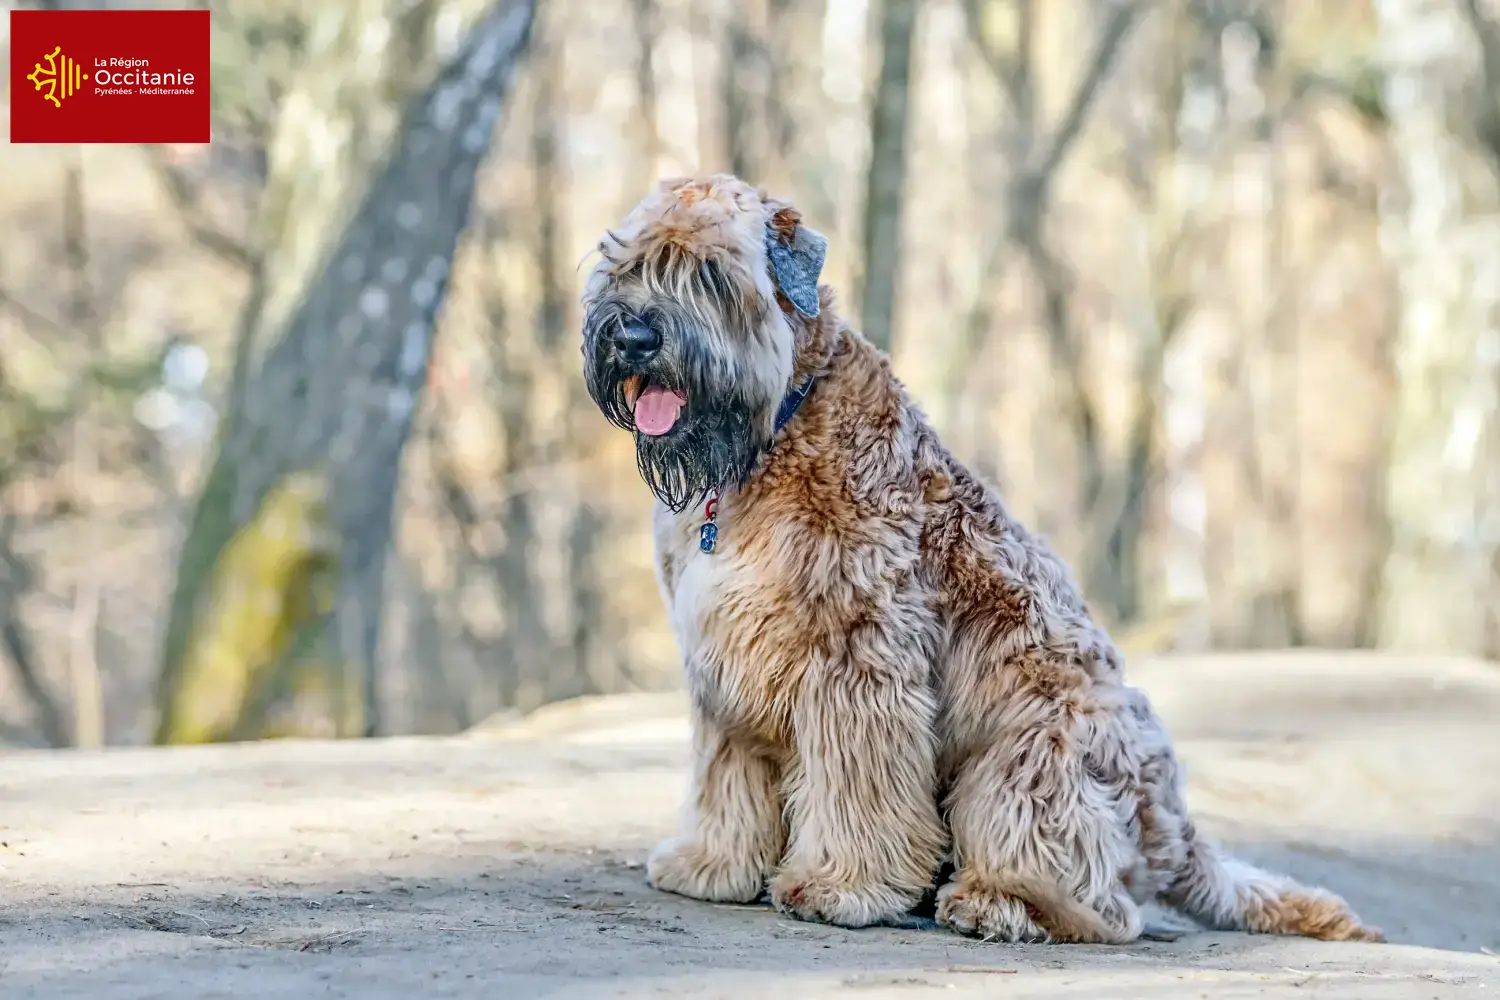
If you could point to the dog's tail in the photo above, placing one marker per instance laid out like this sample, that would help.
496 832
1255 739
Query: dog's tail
1227 894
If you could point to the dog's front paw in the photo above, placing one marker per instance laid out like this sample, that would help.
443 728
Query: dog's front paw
686 868
989 914
820 896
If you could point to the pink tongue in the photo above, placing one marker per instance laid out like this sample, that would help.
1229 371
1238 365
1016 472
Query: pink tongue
656 410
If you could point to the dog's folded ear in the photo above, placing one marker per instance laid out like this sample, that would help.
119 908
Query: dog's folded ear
796 254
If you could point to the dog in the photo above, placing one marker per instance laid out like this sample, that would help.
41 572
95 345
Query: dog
888 673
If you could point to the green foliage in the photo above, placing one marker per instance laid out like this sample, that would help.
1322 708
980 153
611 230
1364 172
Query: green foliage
271 583
256 48
1367 92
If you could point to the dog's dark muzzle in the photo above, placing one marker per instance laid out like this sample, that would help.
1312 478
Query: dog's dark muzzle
636 344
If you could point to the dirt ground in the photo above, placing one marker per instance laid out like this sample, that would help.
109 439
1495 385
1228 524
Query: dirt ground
506 863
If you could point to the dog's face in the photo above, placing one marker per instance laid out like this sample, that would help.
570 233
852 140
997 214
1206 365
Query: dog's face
688 337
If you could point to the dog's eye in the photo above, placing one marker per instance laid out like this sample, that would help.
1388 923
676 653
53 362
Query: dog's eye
715 278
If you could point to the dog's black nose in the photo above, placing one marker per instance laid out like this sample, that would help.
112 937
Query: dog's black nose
636 342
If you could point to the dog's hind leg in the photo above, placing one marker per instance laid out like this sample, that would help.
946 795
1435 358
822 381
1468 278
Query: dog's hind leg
1040 848
866 837
732 830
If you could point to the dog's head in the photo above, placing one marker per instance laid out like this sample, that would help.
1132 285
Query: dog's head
688 331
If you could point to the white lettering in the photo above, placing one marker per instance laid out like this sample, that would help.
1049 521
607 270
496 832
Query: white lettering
142 78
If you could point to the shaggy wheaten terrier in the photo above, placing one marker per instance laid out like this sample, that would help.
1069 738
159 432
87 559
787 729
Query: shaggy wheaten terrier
887 671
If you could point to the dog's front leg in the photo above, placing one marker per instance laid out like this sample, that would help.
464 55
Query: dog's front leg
732 830
866 837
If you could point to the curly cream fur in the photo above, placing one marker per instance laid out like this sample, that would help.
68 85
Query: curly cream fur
887 669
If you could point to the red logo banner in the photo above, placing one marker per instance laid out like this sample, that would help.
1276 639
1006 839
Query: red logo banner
109 76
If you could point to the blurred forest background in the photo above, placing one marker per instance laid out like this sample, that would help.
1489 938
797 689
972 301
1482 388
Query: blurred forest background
293 437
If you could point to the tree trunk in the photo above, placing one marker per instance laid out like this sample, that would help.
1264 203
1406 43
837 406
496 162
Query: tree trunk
294 521
1443 481
887 173
743 87
83 624
646 19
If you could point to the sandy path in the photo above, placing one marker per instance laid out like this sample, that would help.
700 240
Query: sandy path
506 864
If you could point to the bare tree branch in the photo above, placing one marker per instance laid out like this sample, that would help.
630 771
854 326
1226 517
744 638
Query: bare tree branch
1107 50
31 315
999 62
180 191
1013 70
1028 197
1029 202
16 641
1487 30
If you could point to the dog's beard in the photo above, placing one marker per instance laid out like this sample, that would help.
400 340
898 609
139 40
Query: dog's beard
710 448
713 444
